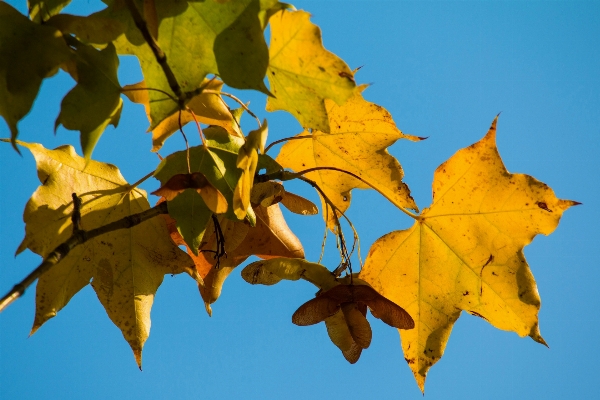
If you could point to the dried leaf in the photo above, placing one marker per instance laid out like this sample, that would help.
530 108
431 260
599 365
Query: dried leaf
465 252
126 266
247 161
360 134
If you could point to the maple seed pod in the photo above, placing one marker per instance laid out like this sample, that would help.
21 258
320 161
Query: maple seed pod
330 301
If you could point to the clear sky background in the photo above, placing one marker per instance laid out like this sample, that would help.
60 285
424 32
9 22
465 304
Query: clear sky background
443 69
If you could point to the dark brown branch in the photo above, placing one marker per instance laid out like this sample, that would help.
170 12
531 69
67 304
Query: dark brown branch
160 56
78 237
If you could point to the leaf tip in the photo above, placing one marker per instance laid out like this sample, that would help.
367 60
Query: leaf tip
208 309
137 353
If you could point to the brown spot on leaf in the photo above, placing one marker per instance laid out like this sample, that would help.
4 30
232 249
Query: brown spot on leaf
477 315
543 206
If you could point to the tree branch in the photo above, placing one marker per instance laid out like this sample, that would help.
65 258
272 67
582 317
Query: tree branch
79 237
160 55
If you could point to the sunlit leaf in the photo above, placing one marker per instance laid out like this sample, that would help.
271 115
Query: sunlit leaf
208 108
465 252
360 134
42 10
223 38
302 73
125 266
247 161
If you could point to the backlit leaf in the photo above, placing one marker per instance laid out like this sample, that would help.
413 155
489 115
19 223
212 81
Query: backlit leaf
126 266
360 134
247 161
42 10
216 162
270 238
95 101
209 109
22 72
271 192
223 38
302 73
465 252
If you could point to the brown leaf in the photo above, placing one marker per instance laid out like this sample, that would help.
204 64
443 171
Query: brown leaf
270 238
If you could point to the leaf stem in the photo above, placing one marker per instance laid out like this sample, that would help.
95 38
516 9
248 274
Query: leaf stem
285 140
160 56
241 103
187 145
293 175
199 128
78 237
147 88
139 182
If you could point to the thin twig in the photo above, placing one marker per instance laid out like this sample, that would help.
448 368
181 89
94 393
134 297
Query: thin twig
293 175
78 237
285 140
139 182
187 145
156 90
160 56
199 129
241 103
343 250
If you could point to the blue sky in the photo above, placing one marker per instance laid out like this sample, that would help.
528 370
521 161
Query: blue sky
444 69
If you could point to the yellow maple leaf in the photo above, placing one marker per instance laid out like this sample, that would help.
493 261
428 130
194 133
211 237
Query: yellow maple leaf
465 252
360 134
247 161
302 73
209 109
126 266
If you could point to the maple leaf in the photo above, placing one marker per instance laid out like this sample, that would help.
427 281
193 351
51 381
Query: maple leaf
465 252
42 10
126 266
177 184
302 73
209 109
22 72
217 163
95 102
341 302
360 134
91 29
247 161
223 38
271 237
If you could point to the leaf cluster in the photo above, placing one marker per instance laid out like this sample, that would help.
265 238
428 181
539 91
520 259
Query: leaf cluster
220 201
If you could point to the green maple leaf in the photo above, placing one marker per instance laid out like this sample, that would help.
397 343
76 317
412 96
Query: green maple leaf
41 10
22 72
198 38
96 100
